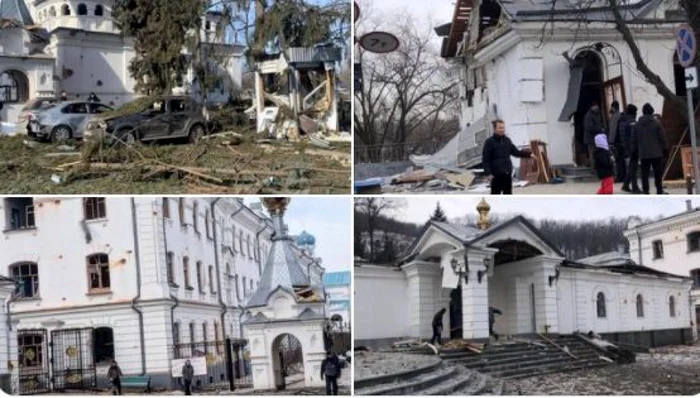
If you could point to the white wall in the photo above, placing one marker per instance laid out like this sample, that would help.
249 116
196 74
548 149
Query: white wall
577 310
381 303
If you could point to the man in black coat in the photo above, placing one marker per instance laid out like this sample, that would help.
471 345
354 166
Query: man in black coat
592 126
496 159
330 370
628 134
615 141
653 148
437 327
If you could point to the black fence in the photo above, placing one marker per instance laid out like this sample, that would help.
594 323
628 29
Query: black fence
72 359
228 368
33 355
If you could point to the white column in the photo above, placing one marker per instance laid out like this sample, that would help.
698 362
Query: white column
475 296
422 304
546 311
259 101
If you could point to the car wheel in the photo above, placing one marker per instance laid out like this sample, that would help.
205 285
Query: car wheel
196 133
130 138
61 134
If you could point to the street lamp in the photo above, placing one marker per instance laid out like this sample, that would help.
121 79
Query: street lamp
461 269
487 265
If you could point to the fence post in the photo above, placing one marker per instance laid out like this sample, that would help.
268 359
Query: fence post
229 365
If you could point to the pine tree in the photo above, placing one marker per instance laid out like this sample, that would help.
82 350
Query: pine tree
438 214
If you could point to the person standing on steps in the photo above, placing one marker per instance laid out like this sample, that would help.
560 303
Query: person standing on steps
330 369
187 376
615 142
437 327
496 159
628 133
592 126
604 165
653 148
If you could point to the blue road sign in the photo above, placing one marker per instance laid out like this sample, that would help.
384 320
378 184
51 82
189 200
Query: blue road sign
686 45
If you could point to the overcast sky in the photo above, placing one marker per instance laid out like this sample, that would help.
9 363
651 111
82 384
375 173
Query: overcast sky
417 210
329 220
425 13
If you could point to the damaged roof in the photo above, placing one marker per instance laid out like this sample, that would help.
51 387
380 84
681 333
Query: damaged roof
306 315
630 268
16 11
609 258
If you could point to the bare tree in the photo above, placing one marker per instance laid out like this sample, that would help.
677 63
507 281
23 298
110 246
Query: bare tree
373 208
404 91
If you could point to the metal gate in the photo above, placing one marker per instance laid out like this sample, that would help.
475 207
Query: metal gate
227 365
72 360
32 346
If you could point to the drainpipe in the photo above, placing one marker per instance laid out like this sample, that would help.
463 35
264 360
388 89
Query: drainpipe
216 264
138 286
172 297
639 245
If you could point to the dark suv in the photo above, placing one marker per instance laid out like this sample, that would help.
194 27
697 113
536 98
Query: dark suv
161 118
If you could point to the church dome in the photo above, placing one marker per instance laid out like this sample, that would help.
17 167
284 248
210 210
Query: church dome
306 239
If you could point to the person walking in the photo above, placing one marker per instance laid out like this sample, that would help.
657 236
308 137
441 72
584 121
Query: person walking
653 148
628 133
592 126
604 165
496 159
492 320
615 142
114 373
330 369
437 327
187 376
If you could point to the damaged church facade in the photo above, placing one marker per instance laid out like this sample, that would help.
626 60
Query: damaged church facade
141 280
513 268
540 69
50 46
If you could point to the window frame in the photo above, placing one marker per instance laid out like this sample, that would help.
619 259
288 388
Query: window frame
33 278
693 241
186 271
657 248
181 211
98 265
212 288
601 304
200 281
166 208
195 209
170 268
639 305
97 205
672 306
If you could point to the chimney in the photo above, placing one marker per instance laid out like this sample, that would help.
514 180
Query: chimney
483 208
689 205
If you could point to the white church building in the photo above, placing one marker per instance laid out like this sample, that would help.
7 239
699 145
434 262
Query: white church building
130 279
539 69
512 267
51 46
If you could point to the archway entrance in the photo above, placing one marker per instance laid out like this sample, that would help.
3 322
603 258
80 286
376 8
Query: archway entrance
591 92
287 361
14 87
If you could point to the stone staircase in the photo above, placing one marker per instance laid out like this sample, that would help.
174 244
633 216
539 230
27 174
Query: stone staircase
440 379
521 359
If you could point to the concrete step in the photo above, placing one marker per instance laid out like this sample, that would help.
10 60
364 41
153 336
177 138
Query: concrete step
475 387
407 387
537 370
487 362
547 361
459 380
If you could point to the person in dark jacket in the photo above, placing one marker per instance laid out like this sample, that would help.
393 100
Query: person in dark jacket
187 376
615 142
330 369
64 96
114 373
93 98
437 327
496 159
492 319
653 148
592 126
604 165
628 135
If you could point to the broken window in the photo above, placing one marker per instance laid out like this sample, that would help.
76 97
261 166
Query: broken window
672 306
99 10
211 279
200 283
98 272
658 247
103 339
693 241
600 305
169 263
640 306
27 277
166 208
20 213
31 350
695 274
181 210
94 208
194 217
186 272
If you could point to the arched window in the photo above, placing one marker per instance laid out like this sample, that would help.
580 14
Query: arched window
98 272
181 210
247 245
211 280
640 306
200 282
52 11
176 333
600 305
672 306
195 208
170 267
99 10
65 10
82 9
166 208
14 87
103 343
